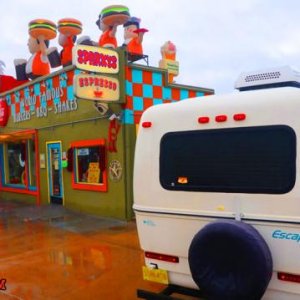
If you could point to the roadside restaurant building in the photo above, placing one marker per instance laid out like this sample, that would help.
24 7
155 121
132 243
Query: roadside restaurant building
68 138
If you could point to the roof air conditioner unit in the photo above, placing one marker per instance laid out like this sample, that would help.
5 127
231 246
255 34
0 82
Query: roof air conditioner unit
268 78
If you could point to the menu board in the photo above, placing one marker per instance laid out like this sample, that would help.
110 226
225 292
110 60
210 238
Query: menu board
93 172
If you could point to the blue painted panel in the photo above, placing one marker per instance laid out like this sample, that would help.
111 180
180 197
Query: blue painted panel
129 89
147 91
138 103
137 76
184 94
157 79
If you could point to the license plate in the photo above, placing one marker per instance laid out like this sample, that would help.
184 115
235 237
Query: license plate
156 275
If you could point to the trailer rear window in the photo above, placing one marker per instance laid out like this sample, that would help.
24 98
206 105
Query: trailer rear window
234 160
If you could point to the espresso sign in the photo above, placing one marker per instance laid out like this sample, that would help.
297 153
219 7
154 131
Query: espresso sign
96 87
96 59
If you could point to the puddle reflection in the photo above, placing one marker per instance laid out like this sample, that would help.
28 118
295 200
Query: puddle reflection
85 263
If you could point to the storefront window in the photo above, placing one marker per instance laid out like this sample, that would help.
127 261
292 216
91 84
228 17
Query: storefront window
88 165
89 171
16 163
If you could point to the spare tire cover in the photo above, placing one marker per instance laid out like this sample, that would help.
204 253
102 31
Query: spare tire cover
230 260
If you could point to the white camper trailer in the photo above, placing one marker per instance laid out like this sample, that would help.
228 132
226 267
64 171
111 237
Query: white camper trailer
217 190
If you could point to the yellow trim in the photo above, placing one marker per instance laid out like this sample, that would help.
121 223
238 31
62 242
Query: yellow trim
6 167
88 183
77 172
32 161
23 177
62 173
29 163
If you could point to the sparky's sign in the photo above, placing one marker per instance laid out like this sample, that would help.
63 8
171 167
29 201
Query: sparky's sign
96 59
96 87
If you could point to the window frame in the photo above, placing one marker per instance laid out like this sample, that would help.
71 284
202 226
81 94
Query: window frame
7 182
102 187
26 188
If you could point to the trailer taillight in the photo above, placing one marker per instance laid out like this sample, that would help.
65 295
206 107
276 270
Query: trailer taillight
146 124
288 277
221 118
164 257
203 120
239 117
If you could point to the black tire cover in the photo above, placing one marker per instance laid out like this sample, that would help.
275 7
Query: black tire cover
230 260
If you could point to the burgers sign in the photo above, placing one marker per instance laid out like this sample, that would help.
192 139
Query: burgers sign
4 113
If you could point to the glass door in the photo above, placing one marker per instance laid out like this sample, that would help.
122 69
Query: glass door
55 181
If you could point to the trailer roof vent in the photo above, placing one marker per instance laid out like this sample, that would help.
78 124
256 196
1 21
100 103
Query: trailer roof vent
268 78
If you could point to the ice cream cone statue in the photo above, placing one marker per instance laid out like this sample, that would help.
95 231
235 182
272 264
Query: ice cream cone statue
168 61
168 50
40 32
133 36
109 19
68 30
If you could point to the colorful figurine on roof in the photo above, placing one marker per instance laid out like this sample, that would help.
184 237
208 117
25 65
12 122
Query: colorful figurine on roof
8 82
133 36
168 51
108 37
68 30
168 61
2 66
5 81
40 32
108 21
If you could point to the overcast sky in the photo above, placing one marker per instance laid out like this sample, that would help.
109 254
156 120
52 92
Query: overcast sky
216 39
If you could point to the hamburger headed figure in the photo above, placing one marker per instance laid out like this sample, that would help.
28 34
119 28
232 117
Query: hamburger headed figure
108 20
40 31
108 36
68 29
133 36
67 43
38 64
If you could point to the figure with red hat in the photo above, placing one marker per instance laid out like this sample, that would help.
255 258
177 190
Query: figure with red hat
133 36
